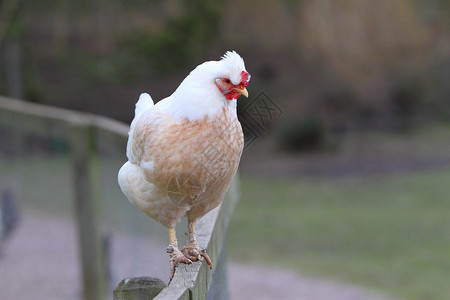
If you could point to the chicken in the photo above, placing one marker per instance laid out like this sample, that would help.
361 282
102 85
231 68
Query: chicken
184 151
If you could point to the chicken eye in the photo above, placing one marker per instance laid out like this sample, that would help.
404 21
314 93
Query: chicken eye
226 80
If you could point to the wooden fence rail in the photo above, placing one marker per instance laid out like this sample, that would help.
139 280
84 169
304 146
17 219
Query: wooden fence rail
194 281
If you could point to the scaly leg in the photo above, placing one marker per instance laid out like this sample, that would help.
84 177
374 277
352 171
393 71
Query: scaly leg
175 254
192 250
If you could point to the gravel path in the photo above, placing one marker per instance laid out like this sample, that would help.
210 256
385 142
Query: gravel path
253 282
40 262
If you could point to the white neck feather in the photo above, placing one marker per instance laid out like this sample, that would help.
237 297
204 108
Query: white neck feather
198 96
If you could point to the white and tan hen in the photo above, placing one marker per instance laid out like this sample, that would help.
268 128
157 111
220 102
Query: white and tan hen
184 151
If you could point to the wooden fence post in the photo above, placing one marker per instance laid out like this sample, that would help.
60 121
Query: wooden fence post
139 288
86 186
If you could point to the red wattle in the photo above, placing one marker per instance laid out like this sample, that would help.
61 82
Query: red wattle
232 95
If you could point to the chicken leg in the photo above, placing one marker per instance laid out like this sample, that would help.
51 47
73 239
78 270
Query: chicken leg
175 254
192 250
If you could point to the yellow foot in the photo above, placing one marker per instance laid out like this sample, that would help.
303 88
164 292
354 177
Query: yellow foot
192 251
176 257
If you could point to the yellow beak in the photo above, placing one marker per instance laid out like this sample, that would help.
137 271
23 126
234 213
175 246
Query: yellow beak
244 92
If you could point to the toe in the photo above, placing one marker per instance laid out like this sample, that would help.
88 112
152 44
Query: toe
192 254
206 256
193 257
185 260
175 260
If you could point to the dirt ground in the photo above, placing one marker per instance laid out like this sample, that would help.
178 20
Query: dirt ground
40 262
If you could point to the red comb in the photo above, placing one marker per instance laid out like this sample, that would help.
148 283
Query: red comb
244 76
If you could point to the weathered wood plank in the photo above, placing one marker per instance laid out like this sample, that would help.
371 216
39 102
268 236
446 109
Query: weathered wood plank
64 116
218 289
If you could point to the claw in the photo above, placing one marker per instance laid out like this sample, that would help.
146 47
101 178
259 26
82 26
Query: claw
195 254
206 256
176 257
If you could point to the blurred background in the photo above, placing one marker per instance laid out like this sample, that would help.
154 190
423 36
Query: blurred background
350 182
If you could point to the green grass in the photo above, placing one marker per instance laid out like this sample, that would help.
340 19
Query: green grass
391 234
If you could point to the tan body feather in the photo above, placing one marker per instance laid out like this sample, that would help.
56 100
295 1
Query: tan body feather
181 167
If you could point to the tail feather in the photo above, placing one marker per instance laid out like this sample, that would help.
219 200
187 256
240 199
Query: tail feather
144 103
